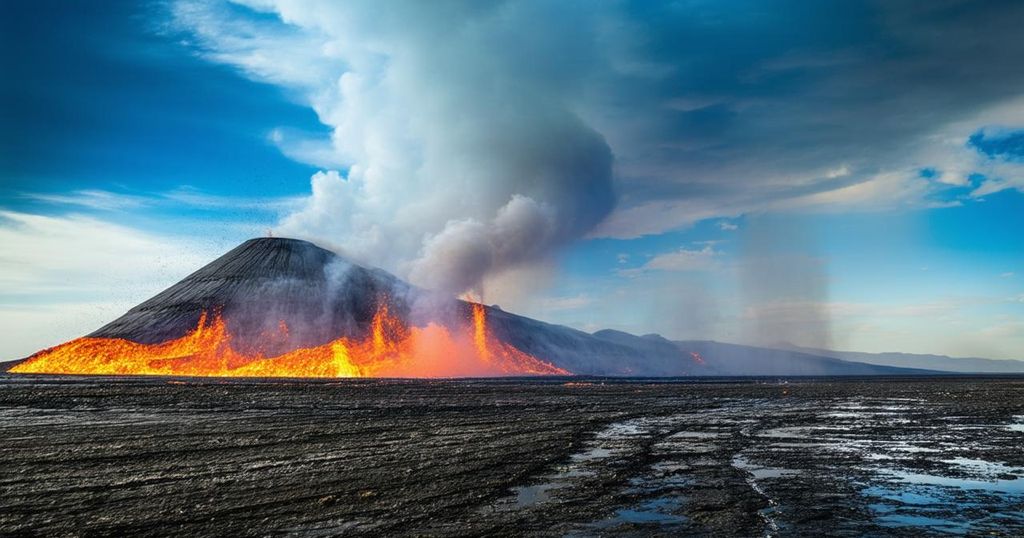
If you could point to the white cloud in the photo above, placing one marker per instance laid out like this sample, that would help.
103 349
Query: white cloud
43 253
659 216
841 171
183 197
195 198
677 261
947 151
93 199
1007 329
684 260
32 327
100 268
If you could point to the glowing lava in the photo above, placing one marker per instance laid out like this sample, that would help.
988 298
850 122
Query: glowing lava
480 339
391 349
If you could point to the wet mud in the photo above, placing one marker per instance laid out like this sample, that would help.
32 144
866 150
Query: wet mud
568 457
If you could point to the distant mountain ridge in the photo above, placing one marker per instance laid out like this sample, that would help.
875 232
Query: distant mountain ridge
946 363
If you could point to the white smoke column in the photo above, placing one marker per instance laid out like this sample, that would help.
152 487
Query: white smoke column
457 149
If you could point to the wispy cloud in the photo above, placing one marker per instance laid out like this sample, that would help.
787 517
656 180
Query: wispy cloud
48 262
79 253
1006 329
181 197
199 199
39 326
100 200
681 260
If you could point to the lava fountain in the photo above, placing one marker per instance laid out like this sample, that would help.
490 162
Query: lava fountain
390 349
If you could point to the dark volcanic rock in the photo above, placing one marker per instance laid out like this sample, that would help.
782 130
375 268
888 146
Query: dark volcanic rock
320 295
167 457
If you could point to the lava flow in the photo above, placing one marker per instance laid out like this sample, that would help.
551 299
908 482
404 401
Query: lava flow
392 349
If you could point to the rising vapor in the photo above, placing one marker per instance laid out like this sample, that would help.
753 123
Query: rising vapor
461 154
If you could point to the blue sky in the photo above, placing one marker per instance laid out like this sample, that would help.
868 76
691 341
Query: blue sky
839 174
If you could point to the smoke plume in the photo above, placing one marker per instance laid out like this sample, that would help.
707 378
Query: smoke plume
455 152
784 284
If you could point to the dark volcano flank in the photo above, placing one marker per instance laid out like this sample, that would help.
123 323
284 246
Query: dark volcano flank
263 281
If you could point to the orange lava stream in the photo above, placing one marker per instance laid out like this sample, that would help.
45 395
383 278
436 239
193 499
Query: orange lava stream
390 350
480 340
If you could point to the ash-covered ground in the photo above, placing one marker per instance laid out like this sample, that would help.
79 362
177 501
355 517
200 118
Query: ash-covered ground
577 457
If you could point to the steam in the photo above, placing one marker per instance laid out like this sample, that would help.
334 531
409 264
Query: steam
461 256
784 285
455 152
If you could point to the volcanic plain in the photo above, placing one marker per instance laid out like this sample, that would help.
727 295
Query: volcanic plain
545 457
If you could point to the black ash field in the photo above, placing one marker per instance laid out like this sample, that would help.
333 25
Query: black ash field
578 457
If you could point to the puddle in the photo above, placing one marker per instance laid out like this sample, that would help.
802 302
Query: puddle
901 496
656 511
662 484
760 472
948 504
1018 425
531 495
607 444
997 485
596 453
985 467
931 523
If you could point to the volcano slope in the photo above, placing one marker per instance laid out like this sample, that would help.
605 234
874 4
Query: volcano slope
263 281
276 307
542 457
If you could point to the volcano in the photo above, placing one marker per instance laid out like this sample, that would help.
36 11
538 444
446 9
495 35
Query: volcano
260 283
277 307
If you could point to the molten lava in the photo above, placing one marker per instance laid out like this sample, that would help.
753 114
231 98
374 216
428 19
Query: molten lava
391 349
480 339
